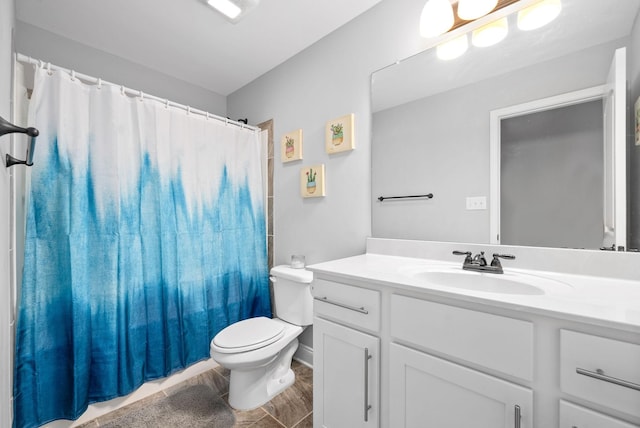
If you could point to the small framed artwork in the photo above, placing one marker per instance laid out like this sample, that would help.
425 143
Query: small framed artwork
339 134
312 181
291 146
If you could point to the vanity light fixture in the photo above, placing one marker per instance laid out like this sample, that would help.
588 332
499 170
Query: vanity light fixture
226 7
474 9
490 34
233 10
441 16
436 18
453 48
539 14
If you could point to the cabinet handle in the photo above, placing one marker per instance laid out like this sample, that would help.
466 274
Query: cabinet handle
361 309
599 374
518 417
367 406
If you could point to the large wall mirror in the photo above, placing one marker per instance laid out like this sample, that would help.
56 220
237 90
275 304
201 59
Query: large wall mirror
524 142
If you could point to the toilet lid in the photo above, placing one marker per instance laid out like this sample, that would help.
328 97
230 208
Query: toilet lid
249 334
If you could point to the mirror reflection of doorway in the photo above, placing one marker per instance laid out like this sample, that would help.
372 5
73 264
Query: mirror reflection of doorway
552 175
585 212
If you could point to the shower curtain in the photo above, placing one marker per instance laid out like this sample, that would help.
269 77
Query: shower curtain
145 237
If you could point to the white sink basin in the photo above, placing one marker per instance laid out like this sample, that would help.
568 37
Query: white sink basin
505 283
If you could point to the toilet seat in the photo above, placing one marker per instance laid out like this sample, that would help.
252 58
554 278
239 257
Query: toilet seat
247 335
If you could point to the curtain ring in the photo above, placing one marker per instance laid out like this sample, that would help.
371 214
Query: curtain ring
226 121
207 115
122 90
73 75
99 85
40 63
141 96
188 110
166 103
49 72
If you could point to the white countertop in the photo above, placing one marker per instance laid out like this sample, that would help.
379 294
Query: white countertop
606 301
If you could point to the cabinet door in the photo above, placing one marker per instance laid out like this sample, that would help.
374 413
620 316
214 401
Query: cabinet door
427 391
572 416
346 368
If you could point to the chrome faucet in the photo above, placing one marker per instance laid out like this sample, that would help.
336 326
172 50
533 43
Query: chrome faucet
478 262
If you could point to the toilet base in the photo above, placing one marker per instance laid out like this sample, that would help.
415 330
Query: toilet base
250 389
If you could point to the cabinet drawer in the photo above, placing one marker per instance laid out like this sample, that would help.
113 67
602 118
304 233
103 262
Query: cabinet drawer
496 342
601 370
355 306
572 416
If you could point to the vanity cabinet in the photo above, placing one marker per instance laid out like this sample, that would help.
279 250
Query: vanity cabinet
426 391
346 373
346 356
448 360
599 370
573 416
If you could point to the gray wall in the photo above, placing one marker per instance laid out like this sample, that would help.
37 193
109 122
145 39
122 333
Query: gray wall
7 15
46 46
325 81
440 144
634 151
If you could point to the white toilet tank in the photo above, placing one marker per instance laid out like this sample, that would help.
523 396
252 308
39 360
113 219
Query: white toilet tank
292 294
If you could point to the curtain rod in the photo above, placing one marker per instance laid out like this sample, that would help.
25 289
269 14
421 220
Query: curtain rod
95 80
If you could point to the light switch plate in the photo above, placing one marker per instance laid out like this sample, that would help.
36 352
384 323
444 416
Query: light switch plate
476 202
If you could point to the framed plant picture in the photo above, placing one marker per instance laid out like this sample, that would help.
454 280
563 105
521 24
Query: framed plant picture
312 181
339 134
291 146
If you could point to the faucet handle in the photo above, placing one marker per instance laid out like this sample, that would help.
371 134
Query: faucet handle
462 253
504 256
467 259
497 257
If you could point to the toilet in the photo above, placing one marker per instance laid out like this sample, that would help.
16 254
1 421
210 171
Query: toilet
258 351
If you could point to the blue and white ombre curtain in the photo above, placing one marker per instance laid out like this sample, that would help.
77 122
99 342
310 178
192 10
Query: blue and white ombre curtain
145 237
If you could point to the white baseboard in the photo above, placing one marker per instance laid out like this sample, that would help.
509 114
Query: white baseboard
304 354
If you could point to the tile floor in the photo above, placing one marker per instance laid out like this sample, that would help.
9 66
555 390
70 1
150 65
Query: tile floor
290 409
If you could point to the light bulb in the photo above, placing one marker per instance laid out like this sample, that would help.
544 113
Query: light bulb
539 14
226 7
491 33
453 48
436 18
473 9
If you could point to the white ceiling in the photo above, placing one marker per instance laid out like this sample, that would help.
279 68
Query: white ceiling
189 40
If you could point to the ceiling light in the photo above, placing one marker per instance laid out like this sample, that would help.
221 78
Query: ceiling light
226 7
473 9
453 48
436 18
539 14
490 34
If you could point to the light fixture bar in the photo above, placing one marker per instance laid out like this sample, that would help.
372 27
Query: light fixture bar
225 7
459 22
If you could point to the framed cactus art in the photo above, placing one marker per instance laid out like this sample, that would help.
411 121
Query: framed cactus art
312 181
291 146
339 134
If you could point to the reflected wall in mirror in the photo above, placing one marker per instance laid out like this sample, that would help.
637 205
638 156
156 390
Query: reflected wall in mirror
432 120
